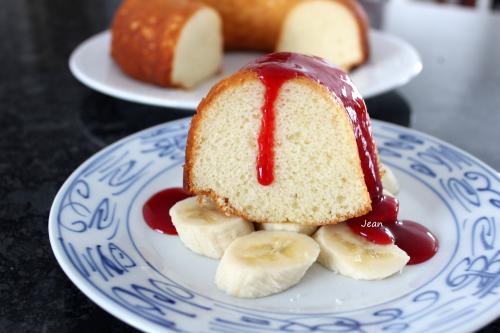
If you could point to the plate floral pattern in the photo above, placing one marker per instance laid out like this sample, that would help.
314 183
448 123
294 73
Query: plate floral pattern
90 233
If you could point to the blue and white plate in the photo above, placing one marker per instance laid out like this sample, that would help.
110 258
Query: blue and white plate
154 283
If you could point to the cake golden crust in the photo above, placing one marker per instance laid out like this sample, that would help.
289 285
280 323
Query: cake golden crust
236 78
145 34
224 203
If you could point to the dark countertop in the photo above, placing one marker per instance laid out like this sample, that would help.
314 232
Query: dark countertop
51 123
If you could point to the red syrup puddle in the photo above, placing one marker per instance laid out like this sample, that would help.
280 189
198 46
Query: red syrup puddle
381 226
384 211
156 209
273 71
415 239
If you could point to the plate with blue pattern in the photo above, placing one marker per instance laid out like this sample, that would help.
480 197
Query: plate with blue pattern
152 282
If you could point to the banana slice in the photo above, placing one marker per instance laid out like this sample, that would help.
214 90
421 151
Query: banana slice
292 227
389 181
265 262
204 229
351 255
385 192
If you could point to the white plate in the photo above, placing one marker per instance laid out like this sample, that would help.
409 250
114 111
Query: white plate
154 283
393 63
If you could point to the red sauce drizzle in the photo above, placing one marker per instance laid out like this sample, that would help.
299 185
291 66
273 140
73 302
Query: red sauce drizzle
273 79
274 70
384 211
156 209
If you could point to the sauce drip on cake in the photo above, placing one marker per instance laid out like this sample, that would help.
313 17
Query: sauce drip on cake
273 78
277 68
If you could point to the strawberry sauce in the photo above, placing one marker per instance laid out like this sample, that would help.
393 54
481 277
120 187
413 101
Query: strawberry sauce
277 68
415 239
383 228
273 79
384 211
156 209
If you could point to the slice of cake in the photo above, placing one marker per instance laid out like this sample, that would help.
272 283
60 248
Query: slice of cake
171 43
336 30
285 140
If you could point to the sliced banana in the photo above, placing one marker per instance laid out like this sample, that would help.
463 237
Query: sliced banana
389 181
387 193
351 255
204 229
292 227
265 262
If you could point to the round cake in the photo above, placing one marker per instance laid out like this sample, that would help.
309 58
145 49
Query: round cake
286 139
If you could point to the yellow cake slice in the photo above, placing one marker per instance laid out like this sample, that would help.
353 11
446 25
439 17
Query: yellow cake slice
316 175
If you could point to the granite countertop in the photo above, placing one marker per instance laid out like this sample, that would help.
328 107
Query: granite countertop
51 123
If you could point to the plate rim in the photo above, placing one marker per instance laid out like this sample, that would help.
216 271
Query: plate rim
187 105
95 294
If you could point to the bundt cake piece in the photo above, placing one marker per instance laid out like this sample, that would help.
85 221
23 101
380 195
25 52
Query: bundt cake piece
336 30
287 139
167 42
